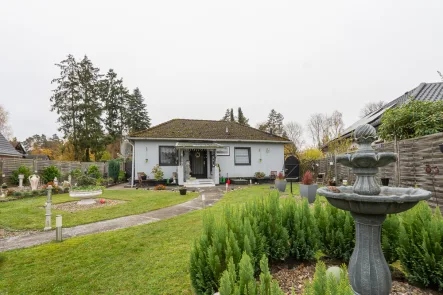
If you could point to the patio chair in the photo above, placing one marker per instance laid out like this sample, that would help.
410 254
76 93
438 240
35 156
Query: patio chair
273 175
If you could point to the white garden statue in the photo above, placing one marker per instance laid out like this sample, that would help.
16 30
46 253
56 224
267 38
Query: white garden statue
55 181
34 180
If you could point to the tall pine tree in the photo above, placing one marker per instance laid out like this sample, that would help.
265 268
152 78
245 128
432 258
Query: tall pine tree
138 117
274 124
115 106
231 116
65 102
227 115
241 119
90 110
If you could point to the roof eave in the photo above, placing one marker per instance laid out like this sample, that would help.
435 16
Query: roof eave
210 140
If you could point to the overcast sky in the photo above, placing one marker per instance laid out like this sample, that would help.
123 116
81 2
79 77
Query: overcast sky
194 59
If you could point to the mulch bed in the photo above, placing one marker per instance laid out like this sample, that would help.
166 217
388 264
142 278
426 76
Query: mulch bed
74 207
290 275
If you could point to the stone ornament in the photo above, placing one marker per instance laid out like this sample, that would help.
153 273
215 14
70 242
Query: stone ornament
34 180
369 204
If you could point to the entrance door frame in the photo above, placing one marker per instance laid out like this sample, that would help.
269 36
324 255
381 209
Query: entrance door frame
204 154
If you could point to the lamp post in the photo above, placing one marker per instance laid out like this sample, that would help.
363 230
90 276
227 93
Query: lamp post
48 225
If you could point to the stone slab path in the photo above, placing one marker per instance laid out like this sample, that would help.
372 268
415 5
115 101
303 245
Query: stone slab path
212 195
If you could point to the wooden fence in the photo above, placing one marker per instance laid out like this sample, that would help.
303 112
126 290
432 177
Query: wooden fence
409 171
7 165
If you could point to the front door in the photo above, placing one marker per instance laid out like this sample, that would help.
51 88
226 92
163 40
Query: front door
198 161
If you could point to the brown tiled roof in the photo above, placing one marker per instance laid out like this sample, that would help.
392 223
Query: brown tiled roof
206 130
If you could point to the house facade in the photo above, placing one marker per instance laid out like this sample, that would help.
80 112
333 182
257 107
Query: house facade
204 150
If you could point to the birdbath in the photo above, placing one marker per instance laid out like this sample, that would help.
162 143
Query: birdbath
369 204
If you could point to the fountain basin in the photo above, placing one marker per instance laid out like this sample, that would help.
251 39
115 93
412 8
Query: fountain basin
391 200
86 197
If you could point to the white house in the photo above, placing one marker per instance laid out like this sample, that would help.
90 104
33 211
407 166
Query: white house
204 147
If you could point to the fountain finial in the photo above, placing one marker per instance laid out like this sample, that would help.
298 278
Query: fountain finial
365 134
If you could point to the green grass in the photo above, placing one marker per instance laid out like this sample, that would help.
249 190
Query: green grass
29 213
147 259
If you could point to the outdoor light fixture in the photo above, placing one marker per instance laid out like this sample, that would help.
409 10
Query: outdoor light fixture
58 228
331 163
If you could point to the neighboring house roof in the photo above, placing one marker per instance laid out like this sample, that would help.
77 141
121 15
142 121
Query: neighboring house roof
423 92
19 147
206 130
6 149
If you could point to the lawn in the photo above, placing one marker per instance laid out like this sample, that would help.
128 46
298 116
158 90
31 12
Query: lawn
29 213
147 259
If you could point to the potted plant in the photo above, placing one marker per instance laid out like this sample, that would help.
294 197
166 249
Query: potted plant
308 189
4 186
143 176
158 174
183 191
259 176
280 182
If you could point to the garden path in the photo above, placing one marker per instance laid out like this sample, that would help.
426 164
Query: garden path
212 195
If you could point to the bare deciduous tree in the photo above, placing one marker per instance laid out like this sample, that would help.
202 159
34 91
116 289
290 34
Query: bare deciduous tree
371 107
5 129
294 131
318 128
336 125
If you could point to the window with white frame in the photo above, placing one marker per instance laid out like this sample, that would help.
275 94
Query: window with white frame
242 156
167 156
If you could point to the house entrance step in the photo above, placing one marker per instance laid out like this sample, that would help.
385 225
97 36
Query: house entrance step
200 183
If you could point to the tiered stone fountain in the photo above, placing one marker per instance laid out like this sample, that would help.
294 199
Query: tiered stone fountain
369 204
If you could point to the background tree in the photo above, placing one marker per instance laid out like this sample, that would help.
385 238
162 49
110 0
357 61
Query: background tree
317 126
336 125
227 115
294 133
115 106
138 117
241 119
66 103
231 115
371 107
274 124
5 129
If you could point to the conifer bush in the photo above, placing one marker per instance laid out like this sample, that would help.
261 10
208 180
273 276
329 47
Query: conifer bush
336 231
324 284
246 283
302 229
421 245
114 169
390 237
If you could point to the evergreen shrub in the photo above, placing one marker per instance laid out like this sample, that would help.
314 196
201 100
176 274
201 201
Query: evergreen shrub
21 170
94 172
420 247
49 173
114 169
327 284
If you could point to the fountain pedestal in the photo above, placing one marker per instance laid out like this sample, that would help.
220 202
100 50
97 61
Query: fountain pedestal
368 270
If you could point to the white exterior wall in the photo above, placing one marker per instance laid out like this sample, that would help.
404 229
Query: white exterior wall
272 156
150 150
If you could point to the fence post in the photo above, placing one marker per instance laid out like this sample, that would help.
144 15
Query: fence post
1 171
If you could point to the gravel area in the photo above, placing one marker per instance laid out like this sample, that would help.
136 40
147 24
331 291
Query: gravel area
8 234
294 276
74 207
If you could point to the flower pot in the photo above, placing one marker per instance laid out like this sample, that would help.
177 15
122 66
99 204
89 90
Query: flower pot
182 191
384 181
308 191
280 184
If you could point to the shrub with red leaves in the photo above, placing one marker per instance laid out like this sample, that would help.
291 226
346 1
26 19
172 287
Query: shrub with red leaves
307 178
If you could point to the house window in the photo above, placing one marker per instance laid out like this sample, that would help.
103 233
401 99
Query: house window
242 156
167 156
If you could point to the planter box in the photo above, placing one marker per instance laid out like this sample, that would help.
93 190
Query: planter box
280 184
239 181
308 191
183 191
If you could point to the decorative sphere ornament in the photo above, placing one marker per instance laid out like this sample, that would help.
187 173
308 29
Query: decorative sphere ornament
335 271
